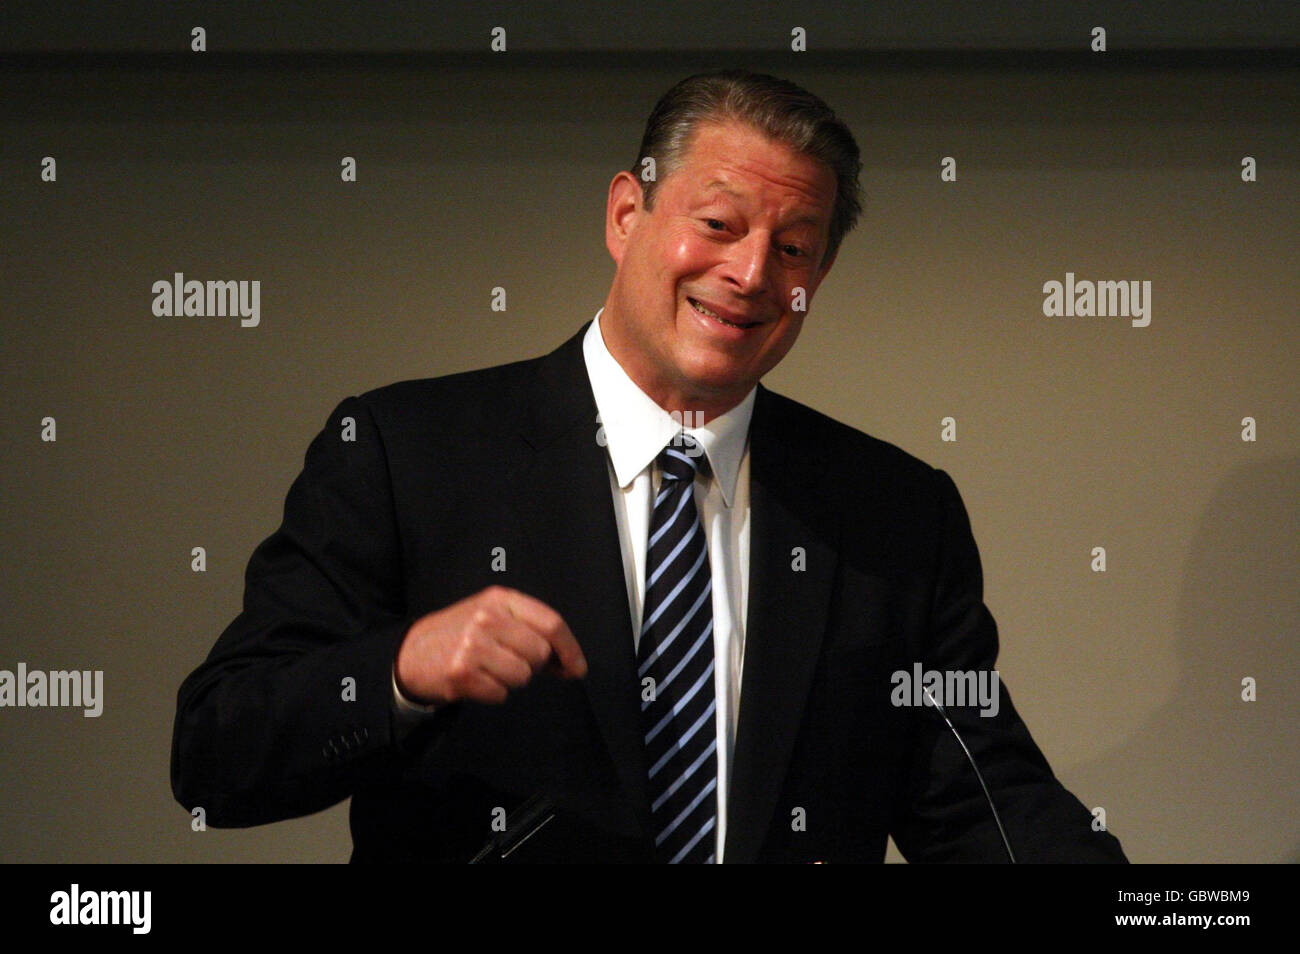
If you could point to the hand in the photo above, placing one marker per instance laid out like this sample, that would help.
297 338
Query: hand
483 647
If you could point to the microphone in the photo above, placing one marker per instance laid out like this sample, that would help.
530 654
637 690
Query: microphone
970 758
521 824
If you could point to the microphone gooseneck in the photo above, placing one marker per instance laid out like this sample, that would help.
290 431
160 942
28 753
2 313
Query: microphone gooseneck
521 824
970 758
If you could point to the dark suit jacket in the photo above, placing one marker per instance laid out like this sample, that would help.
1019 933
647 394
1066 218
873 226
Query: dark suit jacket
408 517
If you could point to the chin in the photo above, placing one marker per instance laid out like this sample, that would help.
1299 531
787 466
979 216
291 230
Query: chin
715 380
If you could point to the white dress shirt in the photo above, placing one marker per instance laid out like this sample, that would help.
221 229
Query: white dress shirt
635 430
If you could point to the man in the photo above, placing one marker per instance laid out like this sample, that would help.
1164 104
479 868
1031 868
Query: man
628 583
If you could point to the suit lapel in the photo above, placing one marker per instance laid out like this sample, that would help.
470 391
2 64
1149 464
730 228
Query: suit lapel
567 511
578 559
786 615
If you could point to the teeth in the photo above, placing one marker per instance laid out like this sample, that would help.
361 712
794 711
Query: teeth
704 311
700 308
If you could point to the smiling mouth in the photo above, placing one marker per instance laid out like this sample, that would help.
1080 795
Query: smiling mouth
718 318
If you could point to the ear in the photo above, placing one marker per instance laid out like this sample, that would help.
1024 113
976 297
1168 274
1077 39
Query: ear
625 204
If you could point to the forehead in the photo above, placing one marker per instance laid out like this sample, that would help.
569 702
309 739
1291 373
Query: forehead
733 159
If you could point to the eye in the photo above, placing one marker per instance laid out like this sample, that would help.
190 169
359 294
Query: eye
715 224
793 251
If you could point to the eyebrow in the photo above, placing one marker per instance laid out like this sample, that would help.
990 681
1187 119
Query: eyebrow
718 185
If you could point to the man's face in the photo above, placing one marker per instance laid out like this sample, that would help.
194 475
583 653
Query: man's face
736 228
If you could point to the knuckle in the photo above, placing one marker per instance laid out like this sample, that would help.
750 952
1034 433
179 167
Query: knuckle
460 666
539 651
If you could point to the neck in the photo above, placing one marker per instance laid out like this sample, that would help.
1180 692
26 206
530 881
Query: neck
692 408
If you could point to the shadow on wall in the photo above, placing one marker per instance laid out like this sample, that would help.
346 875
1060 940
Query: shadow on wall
1236 763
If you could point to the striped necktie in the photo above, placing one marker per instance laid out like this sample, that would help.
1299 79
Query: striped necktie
675 666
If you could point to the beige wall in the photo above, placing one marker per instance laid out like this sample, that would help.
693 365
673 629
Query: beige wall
1072 433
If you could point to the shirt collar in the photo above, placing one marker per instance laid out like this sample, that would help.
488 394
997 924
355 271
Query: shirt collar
636 428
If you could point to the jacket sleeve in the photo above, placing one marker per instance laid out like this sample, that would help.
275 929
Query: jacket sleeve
944 815
293 708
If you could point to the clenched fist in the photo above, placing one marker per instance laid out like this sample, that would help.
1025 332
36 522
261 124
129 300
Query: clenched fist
483 647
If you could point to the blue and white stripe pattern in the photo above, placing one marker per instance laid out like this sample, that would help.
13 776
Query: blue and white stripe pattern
676 651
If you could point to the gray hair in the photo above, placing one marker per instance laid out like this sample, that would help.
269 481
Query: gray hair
775 107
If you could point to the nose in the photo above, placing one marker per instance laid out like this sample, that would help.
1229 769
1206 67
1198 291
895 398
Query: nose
745 267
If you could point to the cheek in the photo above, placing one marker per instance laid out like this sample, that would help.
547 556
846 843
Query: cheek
686 254
779 346
794 317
